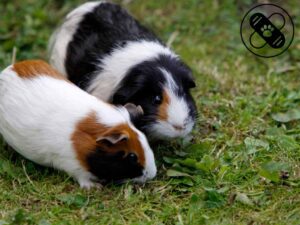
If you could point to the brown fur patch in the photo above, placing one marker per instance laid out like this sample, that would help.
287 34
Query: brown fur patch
88 130
34 68
163 108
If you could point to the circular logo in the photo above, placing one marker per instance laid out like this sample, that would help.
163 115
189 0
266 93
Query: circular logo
267 30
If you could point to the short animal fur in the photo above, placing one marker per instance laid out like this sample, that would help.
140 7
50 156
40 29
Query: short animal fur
52 122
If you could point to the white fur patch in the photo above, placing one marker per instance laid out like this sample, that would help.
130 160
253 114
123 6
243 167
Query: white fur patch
63 35
119 62
38 117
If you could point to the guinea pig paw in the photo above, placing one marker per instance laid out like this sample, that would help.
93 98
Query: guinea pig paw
87 184
98 185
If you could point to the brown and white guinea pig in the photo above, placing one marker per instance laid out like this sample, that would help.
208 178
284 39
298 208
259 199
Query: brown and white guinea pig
105 51
52 122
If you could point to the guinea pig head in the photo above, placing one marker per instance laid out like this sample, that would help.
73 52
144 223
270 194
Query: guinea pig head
162 88
115 153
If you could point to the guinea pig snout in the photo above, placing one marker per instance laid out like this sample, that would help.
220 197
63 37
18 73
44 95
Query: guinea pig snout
173 129
147 175
182 129
150 174
186 125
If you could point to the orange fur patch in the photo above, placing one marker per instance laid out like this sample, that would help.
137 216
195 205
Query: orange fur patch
34 68
163 108
88 130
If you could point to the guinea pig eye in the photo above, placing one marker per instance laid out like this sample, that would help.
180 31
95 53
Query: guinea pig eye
157 99
132 157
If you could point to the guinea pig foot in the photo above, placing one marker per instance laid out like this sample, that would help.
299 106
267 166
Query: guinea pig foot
96 185
88 184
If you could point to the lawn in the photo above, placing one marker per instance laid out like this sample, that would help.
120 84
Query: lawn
241 164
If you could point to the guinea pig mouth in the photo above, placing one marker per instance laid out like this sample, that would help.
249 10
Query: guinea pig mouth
140 180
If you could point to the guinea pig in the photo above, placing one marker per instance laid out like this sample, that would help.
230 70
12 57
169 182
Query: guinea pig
108 53
52 122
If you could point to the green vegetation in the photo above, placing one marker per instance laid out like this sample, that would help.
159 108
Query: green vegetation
240 167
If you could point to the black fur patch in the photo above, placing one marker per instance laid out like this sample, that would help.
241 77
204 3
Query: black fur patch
102 30
113 167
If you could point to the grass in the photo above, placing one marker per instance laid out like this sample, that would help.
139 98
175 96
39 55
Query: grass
242 165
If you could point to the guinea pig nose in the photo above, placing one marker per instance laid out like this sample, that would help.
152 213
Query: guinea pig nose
178 127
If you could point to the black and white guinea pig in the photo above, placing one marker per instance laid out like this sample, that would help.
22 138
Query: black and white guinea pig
52 122
105 51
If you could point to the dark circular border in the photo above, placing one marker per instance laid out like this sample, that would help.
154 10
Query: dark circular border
288 44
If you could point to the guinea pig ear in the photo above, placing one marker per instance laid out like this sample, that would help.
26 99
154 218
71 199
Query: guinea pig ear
133 82
188 79
124 94
191 83
134 111
112 139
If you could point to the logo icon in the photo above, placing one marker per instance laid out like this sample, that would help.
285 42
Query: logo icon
267 30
